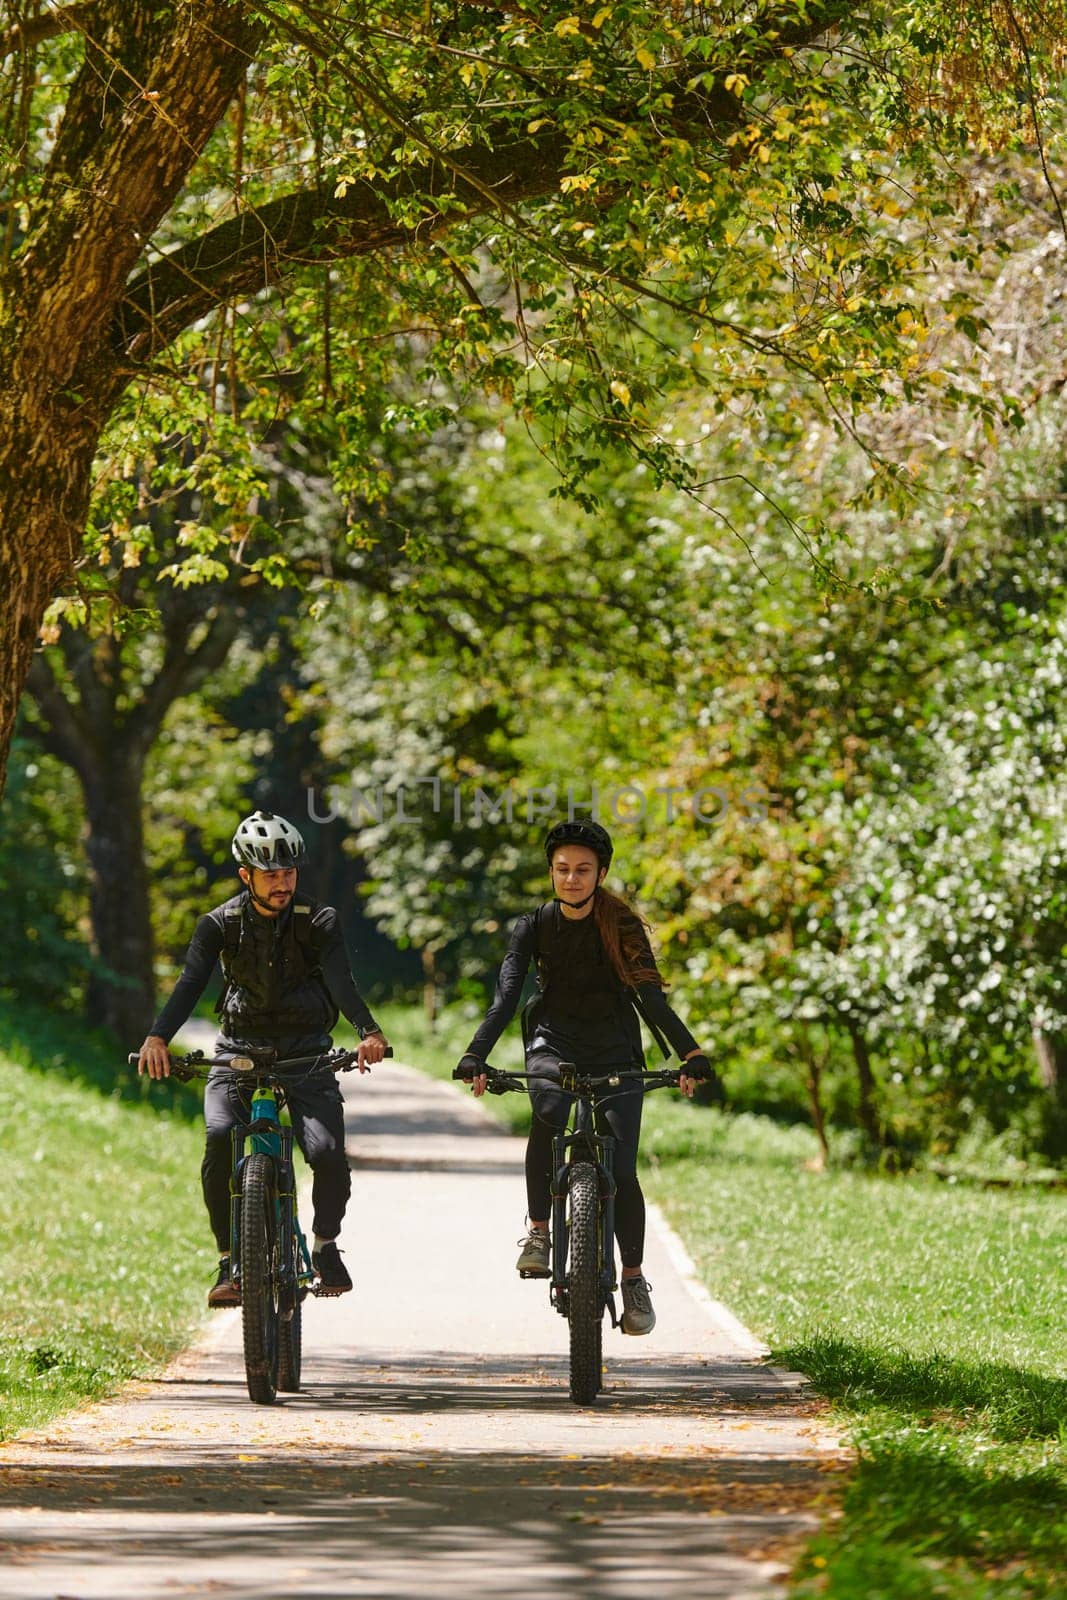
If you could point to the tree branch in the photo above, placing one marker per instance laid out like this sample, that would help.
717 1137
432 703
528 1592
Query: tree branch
182 672
255 250
162 104
93 665
63 733
33 31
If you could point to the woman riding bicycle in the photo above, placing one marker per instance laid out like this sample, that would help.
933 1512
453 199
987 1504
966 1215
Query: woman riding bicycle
594 966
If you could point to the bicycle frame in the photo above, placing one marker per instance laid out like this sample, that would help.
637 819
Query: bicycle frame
591 1142
266 1134
264 1223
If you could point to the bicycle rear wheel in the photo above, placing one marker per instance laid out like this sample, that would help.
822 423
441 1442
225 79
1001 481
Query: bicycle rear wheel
289 1332
583 1285
259 1278
599 1353
289 1350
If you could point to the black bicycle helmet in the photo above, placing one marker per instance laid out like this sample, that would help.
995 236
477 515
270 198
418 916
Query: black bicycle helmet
268 842
580 830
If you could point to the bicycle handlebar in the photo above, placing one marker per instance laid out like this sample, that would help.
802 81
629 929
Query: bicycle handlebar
255 1064
575 1081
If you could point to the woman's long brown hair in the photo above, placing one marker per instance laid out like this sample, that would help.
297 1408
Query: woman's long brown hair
620 927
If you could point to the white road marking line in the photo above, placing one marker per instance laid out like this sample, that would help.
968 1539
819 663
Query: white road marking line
720 1315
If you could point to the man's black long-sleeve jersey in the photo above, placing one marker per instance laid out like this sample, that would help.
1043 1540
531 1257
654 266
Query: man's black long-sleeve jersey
208 943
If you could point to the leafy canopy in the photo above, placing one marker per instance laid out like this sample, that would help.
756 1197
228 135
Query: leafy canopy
579 211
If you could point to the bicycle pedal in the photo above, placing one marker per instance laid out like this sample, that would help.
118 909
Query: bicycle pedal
524 1272
324 1291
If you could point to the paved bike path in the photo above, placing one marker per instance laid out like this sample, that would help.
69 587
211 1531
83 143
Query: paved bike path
433 1446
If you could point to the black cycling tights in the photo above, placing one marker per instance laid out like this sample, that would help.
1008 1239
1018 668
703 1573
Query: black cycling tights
551 1108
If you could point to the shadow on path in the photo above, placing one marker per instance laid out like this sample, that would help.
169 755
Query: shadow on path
443 1382
489 1524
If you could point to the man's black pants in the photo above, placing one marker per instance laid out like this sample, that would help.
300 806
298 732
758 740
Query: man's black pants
317 1113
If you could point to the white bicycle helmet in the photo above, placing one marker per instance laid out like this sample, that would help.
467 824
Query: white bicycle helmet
268 842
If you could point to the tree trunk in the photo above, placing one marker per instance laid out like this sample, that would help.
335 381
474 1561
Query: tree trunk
429 986
815 1065
121 156
45 467
44 497
1051 1051
91 297
121 995
867 1107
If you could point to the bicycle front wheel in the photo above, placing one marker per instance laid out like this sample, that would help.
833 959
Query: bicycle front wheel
259 1278
583 1284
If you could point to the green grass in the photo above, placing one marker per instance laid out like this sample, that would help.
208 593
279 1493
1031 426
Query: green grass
934 1319
932 1315
58 1044
106 1254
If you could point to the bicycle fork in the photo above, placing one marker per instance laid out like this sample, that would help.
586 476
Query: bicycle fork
567 1150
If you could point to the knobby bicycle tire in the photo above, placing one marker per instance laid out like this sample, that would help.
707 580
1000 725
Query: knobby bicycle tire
583 1284
599 1353
290 1336
259 1282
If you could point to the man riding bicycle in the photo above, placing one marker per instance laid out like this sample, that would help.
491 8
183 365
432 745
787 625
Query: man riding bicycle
287 976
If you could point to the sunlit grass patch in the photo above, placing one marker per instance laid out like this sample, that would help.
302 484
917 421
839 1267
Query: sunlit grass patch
933 1318
105 1253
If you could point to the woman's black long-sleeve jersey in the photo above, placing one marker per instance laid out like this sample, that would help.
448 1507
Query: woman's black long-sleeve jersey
583 1010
